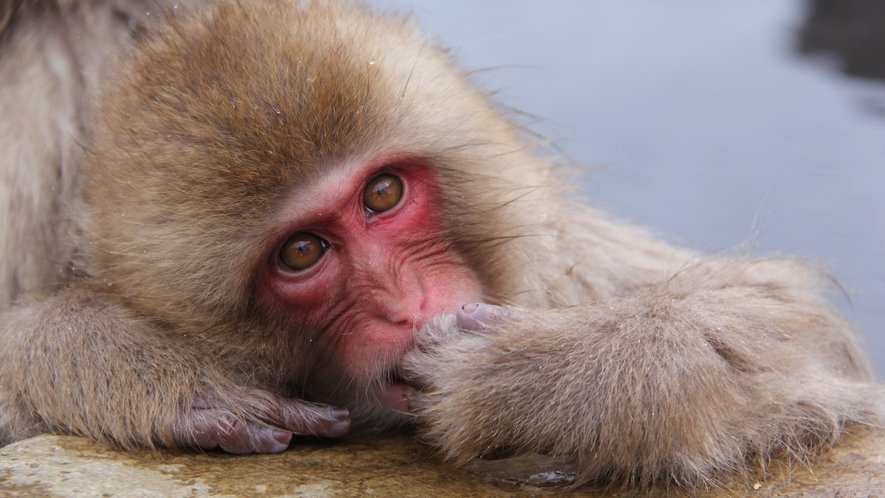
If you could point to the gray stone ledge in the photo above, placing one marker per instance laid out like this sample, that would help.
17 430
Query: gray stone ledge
394 465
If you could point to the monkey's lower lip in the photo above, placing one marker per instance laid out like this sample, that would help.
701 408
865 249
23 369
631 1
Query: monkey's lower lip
393 394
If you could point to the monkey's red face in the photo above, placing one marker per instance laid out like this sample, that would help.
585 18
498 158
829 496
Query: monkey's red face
361 257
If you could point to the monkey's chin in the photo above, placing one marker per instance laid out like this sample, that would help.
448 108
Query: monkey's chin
393 395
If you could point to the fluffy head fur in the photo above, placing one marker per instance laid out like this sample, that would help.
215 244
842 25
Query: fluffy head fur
253 102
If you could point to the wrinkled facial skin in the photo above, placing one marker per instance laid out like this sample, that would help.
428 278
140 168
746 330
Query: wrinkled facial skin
366 279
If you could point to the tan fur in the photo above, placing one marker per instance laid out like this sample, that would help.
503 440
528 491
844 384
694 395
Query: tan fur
133 262
724 362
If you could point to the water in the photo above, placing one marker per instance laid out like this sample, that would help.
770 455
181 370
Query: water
703 121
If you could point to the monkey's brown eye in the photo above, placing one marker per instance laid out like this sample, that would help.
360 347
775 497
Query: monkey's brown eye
302 250
382 193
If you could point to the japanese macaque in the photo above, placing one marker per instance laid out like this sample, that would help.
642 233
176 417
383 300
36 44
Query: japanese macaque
227 224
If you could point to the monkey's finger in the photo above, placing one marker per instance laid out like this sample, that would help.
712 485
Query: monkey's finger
418 400
277 420
307 419
479 316
219 428
413 370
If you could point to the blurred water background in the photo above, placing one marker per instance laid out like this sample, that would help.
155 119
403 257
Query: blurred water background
721 125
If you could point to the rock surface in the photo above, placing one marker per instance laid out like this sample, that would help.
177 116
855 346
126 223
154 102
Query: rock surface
394 465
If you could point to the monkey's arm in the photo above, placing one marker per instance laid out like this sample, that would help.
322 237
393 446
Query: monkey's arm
72 363
724 361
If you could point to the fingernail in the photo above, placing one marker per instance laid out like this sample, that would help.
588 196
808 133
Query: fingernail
282 436
339 423
467 317
338 428
341 414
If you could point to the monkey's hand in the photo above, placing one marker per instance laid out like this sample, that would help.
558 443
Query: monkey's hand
681 381
255 421
75 363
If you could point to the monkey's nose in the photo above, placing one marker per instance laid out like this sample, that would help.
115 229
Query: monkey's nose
402 302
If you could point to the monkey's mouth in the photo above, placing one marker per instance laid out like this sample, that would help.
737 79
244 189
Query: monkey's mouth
393 391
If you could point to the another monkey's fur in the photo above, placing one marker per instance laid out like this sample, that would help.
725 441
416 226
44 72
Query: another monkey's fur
138 213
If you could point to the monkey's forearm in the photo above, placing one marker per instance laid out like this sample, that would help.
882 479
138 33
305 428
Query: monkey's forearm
723 362
71 363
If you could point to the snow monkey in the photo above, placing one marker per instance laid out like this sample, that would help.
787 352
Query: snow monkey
226 224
